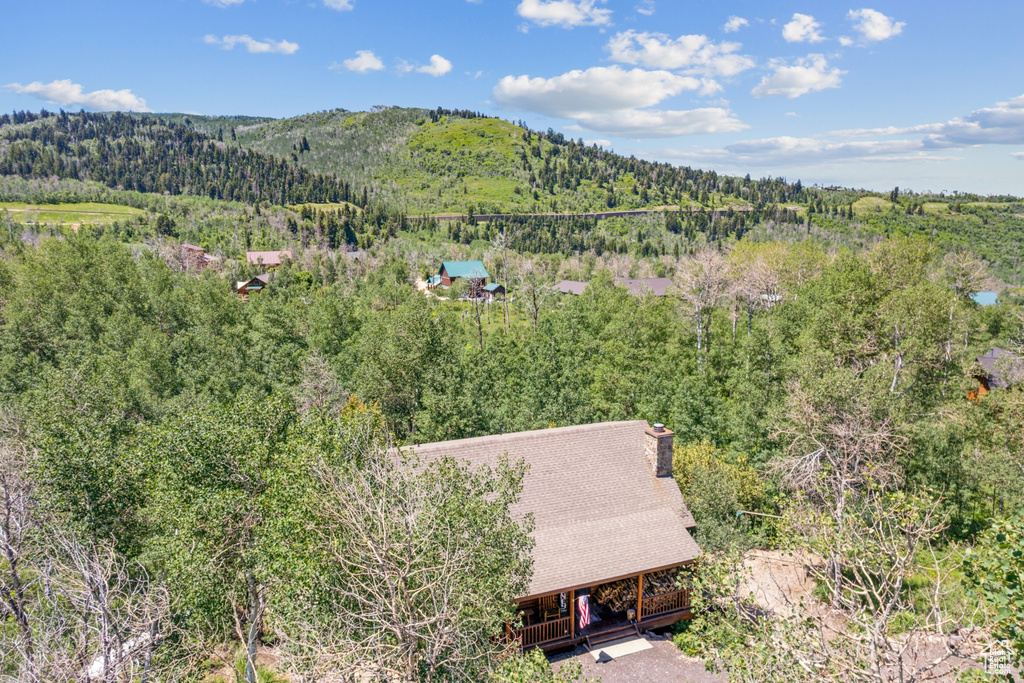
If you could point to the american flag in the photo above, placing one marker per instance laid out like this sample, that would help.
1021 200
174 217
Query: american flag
584 604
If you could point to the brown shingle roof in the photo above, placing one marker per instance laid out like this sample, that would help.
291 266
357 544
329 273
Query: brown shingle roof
655 285
268 259
571 287
600 512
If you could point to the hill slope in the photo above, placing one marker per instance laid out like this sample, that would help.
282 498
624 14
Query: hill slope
439 161
396 162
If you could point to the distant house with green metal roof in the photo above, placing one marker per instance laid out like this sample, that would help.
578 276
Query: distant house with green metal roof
493 290
472 271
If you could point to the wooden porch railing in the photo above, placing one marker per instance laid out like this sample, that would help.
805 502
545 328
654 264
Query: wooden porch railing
669 602
544 632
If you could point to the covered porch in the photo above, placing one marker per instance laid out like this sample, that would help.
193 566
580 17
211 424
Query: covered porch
617 607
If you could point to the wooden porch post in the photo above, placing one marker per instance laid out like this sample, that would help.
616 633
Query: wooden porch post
572 613
640 598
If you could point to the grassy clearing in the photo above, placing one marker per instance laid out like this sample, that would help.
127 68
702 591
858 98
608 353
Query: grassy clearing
327 206
871 204
936 208
69 214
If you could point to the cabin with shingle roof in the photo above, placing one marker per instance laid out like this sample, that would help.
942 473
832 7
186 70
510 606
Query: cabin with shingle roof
613 551
244 288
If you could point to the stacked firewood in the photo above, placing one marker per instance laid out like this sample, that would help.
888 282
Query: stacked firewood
668 581
620 596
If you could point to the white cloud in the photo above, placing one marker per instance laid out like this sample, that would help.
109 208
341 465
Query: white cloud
695 53
223 3
875 26
776 153
888 130
64 93
612 100
598 89
282 47
364 61
802 28
340 5
654 123
564 13
646 7
845 41
808 149
809 74
438 66
599 142
1002 124
475 74
734 24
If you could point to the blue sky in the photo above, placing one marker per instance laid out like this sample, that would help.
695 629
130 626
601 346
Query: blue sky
920 95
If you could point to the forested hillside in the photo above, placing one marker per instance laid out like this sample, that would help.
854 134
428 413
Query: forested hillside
404 163
118 371
194 482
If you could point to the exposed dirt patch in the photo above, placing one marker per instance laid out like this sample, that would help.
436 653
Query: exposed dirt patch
777 580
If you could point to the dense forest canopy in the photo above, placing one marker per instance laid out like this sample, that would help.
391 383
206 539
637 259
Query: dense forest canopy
191 477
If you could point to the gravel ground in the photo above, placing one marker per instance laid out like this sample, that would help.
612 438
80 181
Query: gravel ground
661 664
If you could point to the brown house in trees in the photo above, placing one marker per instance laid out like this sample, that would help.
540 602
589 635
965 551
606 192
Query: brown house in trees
246 287
613 549
195 259
268 259
1000 369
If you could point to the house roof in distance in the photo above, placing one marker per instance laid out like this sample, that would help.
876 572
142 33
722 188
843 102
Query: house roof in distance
600 512
571 287
1003 368
639 286
985 298
493 287
268 259
257 282
469 269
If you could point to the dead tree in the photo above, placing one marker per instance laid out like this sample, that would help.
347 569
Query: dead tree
17 525
701 282
425 563
319 389
836 448
533 289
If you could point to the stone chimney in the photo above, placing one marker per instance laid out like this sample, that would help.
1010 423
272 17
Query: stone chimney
658 449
